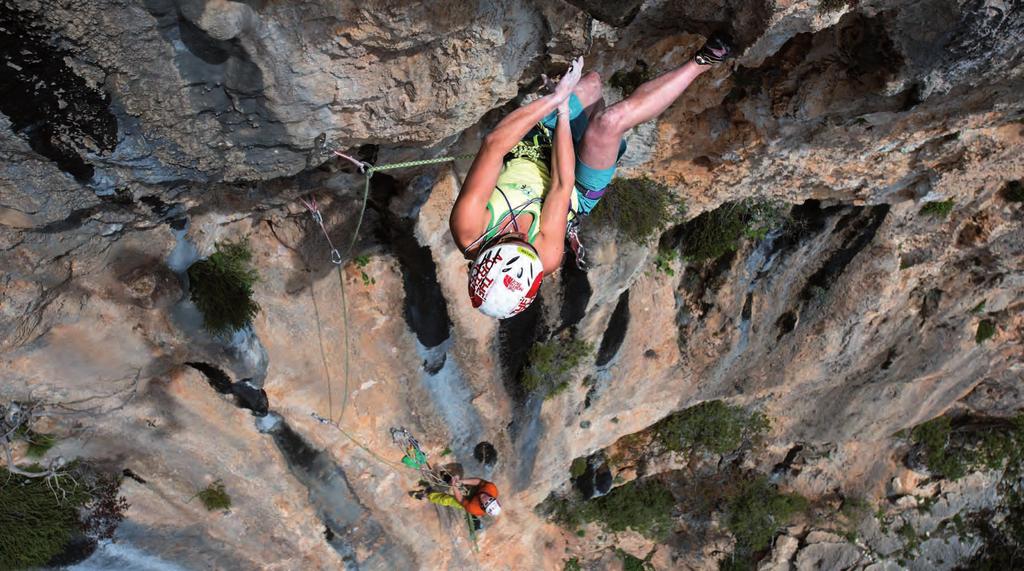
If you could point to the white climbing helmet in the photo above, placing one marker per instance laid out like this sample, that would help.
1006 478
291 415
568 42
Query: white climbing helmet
505 277
493 508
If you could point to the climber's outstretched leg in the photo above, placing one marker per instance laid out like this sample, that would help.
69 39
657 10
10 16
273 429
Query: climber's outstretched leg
600 147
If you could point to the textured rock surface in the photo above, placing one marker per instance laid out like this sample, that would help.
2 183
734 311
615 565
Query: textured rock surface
191 122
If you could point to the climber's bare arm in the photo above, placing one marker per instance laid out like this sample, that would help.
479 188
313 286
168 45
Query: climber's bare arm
469 215
551 239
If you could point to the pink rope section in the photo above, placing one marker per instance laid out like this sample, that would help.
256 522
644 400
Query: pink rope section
359 164
314 211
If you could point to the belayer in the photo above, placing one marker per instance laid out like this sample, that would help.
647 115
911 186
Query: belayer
514 209
481 500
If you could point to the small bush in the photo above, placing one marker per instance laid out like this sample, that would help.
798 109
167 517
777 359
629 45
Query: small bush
215 497
572 564
665 260
712 426
719 231
1013 191
939 209
986 330
36 524
758 511
933 437
221 287
638 208
643 506
550 364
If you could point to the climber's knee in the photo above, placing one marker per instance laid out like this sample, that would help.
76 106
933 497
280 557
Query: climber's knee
589 89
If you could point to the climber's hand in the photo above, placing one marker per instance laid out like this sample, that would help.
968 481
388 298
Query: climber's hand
568 82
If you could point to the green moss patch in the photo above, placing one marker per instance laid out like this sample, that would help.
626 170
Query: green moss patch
638 208
221 287
711 426
938 209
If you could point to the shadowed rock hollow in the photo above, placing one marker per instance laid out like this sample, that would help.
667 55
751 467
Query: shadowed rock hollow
136 136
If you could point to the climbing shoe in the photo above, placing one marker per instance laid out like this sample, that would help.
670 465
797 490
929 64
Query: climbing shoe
418 494
716 50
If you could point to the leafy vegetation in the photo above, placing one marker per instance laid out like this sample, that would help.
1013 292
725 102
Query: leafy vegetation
550 364
1000 446
40 516
214 496
852 512
572 564
221 287
711 426
638 208
757 512
645 506
719 231
361 262
986 329
36 523
938 209
631 562
1013 191
665 260
933 437
38 444
578 468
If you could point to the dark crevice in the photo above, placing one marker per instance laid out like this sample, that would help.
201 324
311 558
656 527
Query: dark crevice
218 379
615 334
786 323
807 219
596 480
47 103
485 453
748 305
247 394
867 224
425 307
516 335
576 292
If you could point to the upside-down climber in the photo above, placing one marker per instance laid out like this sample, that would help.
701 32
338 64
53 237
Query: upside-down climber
514 211
481 500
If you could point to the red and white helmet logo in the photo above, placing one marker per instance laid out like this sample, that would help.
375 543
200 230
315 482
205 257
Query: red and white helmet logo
505 278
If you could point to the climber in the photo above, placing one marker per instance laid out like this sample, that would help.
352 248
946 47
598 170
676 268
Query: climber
483 500
513 212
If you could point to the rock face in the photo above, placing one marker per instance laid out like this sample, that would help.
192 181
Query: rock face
163 127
